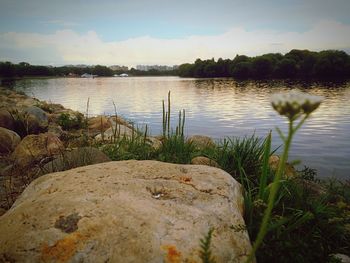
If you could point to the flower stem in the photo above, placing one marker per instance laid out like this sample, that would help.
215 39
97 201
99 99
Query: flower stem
273 192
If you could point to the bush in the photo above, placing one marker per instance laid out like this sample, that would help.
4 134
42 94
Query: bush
69 122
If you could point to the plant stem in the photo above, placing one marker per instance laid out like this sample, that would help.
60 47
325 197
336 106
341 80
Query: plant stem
273 192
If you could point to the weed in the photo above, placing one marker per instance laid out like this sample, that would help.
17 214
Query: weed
205 252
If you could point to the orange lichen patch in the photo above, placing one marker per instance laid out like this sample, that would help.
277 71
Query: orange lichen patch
172 256
63 249
185 179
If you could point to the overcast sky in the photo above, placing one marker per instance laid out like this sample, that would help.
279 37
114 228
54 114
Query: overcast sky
166 32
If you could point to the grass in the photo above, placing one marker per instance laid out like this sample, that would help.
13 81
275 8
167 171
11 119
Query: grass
125 148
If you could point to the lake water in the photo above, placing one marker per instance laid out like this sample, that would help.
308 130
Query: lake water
217 108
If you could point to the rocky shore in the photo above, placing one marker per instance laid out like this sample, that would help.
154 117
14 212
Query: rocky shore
125 211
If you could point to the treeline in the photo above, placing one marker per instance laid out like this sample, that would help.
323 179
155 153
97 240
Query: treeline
9 70
152 72
294 64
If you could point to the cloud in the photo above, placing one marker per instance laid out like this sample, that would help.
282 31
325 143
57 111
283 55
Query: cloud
89 48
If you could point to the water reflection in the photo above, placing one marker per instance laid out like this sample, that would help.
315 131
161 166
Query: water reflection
216 107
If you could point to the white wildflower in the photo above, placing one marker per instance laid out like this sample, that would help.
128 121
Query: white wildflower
295 103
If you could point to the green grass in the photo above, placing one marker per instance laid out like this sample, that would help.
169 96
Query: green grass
135 147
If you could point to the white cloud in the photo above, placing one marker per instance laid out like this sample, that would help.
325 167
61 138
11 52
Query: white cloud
88 48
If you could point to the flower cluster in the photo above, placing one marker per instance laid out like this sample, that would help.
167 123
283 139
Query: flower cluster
294 103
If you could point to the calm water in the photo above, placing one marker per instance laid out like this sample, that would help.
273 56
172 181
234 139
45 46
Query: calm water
217 108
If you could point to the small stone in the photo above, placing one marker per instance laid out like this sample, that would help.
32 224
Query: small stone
201 142
289 172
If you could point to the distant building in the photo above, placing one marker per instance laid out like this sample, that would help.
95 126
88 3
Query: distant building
155 67
119 68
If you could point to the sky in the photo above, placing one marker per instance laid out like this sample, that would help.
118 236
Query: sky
131 32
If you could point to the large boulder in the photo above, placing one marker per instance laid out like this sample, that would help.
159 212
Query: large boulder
76 158
6 120
34 148
8 140
128 211
201 142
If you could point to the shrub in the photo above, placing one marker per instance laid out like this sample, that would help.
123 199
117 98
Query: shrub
69 122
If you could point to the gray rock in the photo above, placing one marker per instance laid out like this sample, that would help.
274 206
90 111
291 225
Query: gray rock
129 211
36 119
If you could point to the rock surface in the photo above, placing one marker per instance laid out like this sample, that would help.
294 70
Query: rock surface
201 141
36 119
99 123
119 120
76 158
8 140
129 211
33 148
6 120
154 142
201 160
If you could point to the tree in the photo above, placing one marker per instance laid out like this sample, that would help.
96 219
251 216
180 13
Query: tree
262 67
286 68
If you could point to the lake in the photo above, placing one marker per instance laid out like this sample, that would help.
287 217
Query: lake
216 107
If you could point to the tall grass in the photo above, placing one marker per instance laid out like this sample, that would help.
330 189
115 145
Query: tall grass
175 148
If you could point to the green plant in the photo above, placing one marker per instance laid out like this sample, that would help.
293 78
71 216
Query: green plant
130 147
293 105
205 251
175 148
69 122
